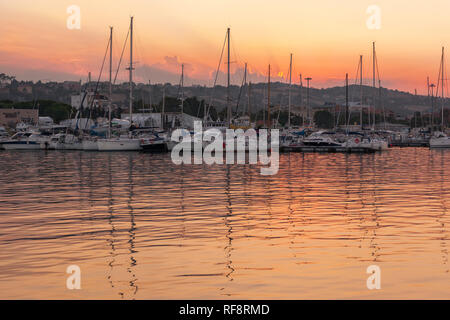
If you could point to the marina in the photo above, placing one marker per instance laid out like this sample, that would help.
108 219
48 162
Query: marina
247 152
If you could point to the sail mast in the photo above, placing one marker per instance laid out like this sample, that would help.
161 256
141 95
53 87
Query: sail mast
290 84
442 89
361 90
182 88
268 99
228 80
110 79
131 71
347 120
249 107
245 84
373 82
301 100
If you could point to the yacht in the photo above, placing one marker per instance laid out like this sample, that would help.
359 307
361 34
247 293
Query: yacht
25 141
321 139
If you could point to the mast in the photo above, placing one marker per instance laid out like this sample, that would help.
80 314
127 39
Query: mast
308 112
150 95
163 106
245 84
249 104
110 79
347 120
181 88
268 99
442 89
290 84
301 100
432 86
373 82
428 94
361 90
228 80
131 71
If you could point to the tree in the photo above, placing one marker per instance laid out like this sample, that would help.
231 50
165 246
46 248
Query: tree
324 119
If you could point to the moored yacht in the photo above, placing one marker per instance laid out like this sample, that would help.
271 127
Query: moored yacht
321 139
25 141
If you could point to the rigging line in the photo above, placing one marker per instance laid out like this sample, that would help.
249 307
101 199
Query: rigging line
217 74
141 55
95 91
356 79
121 56
352 91
240 93
237 57
98 82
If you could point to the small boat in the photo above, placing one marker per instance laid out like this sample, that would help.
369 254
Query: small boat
25 141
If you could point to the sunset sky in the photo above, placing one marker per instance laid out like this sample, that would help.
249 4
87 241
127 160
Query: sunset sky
326 38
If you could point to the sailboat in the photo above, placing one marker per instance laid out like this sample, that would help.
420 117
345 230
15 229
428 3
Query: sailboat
128 142
440 139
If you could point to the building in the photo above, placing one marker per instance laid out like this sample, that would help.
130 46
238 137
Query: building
175 119
91 99
72 85
11 117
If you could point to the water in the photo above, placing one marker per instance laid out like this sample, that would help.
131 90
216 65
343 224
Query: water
140 227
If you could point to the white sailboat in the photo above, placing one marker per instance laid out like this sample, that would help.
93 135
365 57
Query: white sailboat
123 143
89 144
440 139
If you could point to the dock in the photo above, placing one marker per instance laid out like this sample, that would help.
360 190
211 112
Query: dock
410 143
328 149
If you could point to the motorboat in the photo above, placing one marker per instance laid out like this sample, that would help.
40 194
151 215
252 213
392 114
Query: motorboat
25 141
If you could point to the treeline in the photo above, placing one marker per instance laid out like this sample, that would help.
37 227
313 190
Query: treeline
47 108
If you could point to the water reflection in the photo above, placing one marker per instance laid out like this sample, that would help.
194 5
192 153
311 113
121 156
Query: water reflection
141 227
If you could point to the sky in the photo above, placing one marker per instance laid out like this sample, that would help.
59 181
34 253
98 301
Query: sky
326 38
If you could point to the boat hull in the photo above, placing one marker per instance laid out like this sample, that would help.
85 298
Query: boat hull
440 142
119 145
89 145
21 145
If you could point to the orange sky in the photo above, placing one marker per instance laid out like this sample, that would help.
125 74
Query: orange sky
325 36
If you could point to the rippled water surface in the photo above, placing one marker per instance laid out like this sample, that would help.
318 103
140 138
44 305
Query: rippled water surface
141 227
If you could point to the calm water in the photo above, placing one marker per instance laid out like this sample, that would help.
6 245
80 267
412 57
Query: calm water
140 227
